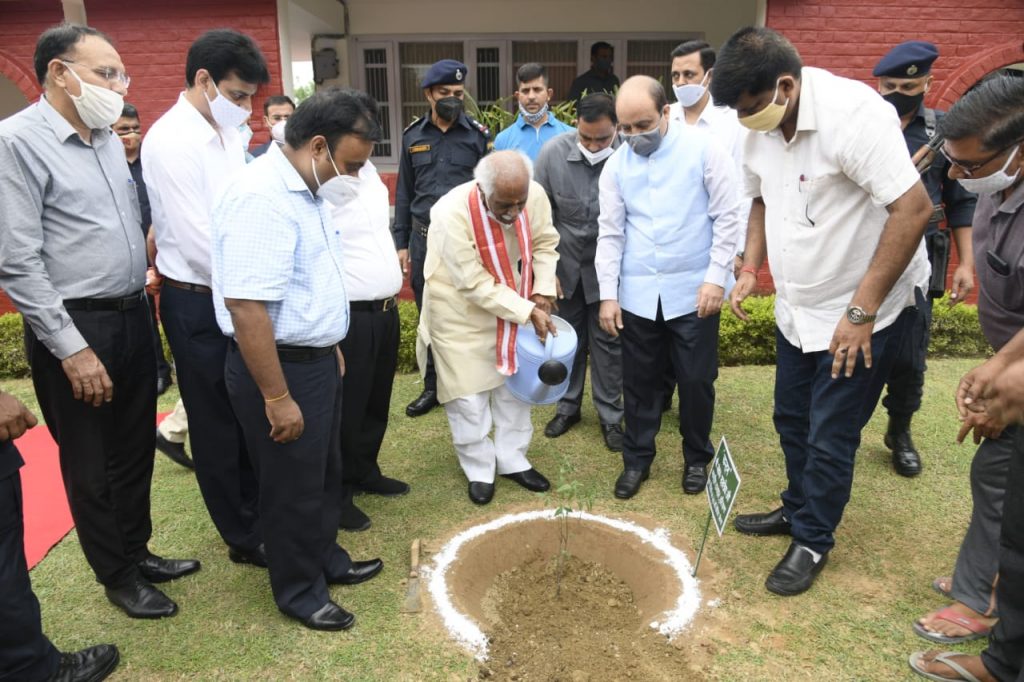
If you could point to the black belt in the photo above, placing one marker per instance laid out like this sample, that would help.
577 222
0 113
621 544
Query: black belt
303 353
115 304
380 306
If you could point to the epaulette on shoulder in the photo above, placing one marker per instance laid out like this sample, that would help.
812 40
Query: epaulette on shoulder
480 126
414 122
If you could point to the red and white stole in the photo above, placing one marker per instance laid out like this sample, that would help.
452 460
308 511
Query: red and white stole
490 243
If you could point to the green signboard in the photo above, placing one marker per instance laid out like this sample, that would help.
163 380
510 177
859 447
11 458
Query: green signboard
723 486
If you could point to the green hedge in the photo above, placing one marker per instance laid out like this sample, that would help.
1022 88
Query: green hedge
955 333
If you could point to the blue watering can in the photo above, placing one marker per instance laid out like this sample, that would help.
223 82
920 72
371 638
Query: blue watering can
544 368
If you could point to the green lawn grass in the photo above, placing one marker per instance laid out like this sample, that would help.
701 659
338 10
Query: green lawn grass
897 535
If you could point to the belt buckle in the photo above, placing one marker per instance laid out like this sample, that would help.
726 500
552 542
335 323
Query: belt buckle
389 304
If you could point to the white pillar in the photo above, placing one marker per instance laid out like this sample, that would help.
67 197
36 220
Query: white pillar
285 47
74 12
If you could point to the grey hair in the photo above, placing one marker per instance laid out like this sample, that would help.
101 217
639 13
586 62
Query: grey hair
498 164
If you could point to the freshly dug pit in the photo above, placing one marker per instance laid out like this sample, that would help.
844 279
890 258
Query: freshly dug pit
638 568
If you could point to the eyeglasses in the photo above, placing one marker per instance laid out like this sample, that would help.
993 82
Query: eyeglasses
125 132
107 73
969 169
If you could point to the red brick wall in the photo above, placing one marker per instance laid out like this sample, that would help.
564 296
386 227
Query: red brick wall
152 37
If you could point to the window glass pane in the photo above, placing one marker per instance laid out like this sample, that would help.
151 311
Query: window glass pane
651 58
414 60
488 76
557 56
376 74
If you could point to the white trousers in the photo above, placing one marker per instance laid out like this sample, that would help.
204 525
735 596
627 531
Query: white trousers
174 426
471 418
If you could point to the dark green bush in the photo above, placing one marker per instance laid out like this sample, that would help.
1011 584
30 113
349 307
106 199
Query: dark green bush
13 364
955 333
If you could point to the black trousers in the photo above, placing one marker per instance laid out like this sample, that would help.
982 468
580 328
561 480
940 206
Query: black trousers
417 257
906 378
163 368
687 344
371 356
1004 657
25 652
299 482
106 452
223 469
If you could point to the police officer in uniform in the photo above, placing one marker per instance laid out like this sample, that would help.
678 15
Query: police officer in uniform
439 152
904 76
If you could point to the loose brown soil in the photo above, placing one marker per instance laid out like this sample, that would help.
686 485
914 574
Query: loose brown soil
594 630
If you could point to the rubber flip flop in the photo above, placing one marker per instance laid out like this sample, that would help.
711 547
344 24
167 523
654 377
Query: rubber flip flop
949 614
938 583
945 657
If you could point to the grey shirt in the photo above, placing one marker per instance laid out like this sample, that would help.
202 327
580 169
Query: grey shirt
69 222
571 185
999 227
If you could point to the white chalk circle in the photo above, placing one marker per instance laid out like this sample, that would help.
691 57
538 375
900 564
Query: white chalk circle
669 561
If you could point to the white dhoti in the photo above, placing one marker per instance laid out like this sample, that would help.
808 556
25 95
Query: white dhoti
471 418
174 427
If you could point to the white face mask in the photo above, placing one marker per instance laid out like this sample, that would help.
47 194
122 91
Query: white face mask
97 106
277 132
338 190
533 118
990 184
595 157
227 114
690 94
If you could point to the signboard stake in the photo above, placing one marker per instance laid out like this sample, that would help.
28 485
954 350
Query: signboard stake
700 552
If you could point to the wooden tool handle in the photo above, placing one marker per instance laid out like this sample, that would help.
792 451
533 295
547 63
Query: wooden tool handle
414 562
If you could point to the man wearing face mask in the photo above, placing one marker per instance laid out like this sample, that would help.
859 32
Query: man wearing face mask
984 147
904 77
279 293
692 70
568 169
189 156
73 261
439 152
535 124
839 209
276 110
600 77
475 298
668 224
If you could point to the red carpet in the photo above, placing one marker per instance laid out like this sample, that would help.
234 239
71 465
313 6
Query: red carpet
47 517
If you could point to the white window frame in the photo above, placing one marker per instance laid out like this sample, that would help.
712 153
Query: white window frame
503 41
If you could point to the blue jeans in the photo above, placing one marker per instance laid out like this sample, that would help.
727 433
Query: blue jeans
819 420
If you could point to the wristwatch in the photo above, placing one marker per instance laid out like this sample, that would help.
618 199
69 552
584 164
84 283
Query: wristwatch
857 315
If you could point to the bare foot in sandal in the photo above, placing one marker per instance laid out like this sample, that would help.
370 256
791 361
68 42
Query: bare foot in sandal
957 620
936 669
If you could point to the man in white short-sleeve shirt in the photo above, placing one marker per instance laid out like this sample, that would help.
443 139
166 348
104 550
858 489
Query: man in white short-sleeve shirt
840 211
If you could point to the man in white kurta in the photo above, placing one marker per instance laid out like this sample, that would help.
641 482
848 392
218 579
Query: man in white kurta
462 304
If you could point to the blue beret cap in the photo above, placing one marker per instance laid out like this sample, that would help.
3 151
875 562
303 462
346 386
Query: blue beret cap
445 72
911 59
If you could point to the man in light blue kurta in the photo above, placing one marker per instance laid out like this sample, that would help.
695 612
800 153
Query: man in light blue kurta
535 123
669 221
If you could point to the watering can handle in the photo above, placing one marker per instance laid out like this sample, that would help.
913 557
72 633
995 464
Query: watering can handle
549 346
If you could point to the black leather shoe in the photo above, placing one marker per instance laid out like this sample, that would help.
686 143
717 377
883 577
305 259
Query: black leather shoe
257 557
353 519
905 457
795 573
88 665
330 616
560 423
612 436
388 487
141 600
175 451
628 483
358 572
423 404
480 492
159 570
695 478
531 479
772 523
